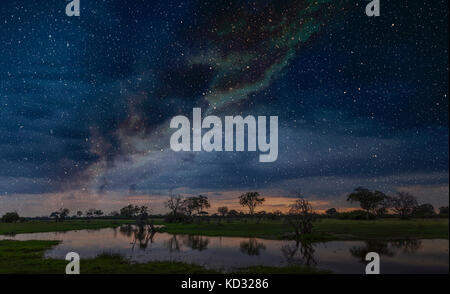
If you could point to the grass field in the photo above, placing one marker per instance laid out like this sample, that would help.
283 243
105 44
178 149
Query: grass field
52 226
27 257
324 229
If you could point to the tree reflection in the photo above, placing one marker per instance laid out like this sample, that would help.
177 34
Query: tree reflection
386 248
127 230
199 243
252 247
408 246
300 253
173 244
141 235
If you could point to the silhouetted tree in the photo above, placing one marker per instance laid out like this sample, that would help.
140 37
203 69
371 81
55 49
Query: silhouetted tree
196 204
251 200
277 213
79 213
443 210
383 206
331 211
223 210
403 204
90 212
54 215
130 211
60 215
178 211
10 217
114 213
423 210
233 213
368 200
176 204
63 213
98 212
301 217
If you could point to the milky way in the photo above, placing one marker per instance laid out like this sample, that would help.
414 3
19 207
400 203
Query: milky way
85 102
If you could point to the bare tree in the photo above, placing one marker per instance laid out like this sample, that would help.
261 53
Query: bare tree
175 203
403 204
251 200
301 217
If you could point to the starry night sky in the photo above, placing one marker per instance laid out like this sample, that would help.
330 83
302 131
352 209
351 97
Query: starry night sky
85 102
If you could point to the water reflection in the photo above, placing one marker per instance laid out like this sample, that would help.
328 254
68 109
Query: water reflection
141 235
142 244
173 244
252 246
380 247
385 248
300 253
408 246
199 243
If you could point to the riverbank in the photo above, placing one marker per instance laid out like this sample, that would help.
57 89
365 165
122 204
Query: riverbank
53 226
323 230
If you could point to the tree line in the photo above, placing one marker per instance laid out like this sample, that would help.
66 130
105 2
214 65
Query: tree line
402 204
185 209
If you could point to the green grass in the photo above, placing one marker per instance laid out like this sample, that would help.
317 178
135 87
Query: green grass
27 257
324 229
384 229
52 226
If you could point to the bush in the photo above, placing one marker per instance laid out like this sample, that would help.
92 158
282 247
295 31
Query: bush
177 218
424 211
356 215
10 217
